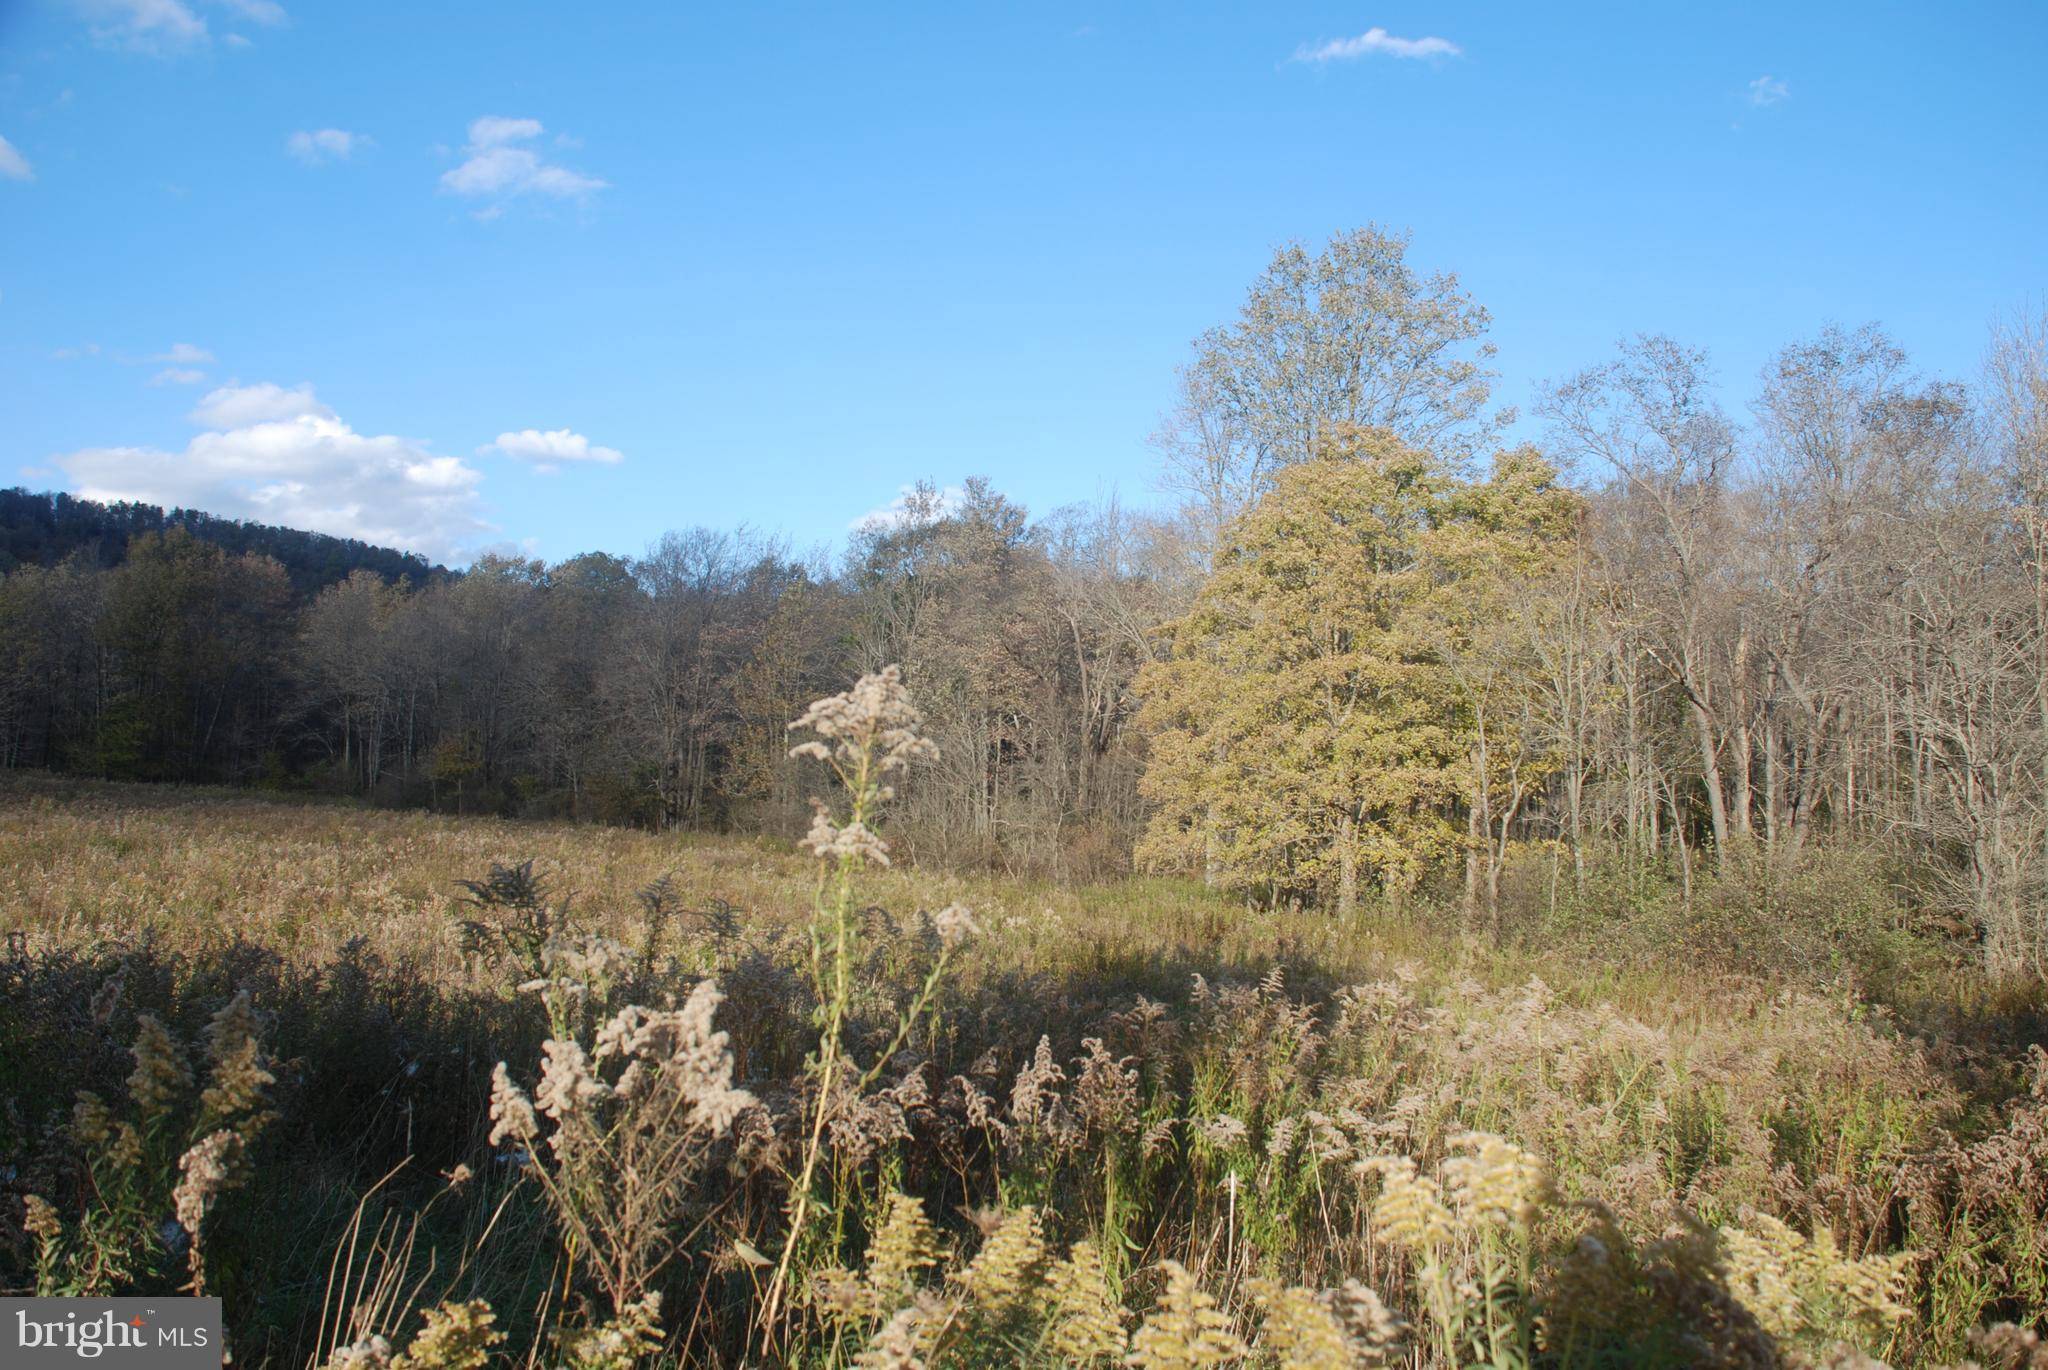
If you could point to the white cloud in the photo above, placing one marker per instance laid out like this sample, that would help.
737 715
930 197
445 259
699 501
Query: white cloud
159 26
280 456
498 165
547 450
912 506
495 130
238 406
168 27
72 354
1376 42
178 375
314 146
14 166
1768 90
185 354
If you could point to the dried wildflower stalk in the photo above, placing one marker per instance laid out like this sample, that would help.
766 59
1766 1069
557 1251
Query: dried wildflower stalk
632 1335
158 1173
454 1336
629 1124
864 736
1808 1288
900 1251
1012 1294
1334 1330
1186 1329
1469 1239
1087 1323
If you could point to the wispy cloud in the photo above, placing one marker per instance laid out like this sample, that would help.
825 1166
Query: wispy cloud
1767 90
166 28
14 166
315 146
547 450
278 455
1376 42
178 375
498 165
185 354
163 27
72 354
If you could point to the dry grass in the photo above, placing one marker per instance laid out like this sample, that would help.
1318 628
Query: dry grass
86 863
1196 1103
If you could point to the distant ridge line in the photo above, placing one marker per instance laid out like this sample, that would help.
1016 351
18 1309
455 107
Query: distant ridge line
46 528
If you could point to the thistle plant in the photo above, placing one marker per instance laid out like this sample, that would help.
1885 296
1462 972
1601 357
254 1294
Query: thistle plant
865 737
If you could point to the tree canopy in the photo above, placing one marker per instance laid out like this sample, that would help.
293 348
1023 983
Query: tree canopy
1319 718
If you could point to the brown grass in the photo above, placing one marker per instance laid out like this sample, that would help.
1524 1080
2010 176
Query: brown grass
1213 1089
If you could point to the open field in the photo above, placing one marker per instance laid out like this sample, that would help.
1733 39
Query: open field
1024 686
1767 1170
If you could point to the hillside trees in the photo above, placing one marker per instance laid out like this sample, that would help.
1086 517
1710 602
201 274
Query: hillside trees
350 672
197 637
52 677
589 602
667 681
1977 704
797 644
47 529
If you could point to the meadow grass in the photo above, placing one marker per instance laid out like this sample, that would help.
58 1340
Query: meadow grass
1222 1132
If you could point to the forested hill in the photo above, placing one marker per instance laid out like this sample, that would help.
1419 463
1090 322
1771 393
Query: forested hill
44 529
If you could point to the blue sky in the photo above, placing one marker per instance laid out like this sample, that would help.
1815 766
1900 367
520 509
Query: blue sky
766 264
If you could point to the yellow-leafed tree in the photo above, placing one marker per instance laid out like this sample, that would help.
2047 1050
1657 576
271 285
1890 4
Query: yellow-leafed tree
1495 563
1315 725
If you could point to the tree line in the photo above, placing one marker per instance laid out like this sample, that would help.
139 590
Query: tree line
652 690
1660 633
1365 649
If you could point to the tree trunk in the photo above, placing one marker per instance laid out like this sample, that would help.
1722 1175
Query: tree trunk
1710 774
1347 866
